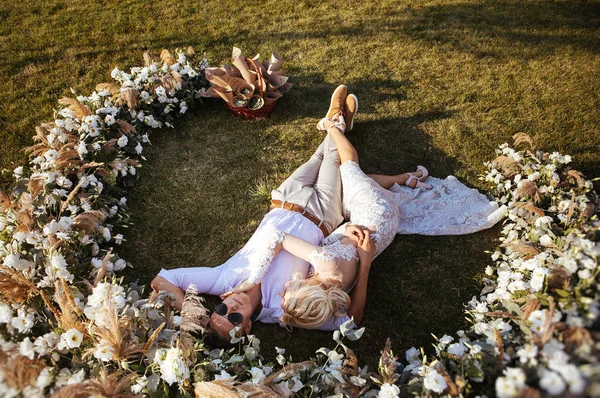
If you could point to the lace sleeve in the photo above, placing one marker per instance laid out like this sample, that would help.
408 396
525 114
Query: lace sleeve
264 261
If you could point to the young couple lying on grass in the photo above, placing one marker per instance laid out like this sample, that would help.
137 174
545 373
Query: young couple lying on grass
301 267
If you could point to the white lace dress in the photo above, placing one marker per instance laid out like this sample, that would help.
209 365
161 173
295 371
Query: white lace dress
450 208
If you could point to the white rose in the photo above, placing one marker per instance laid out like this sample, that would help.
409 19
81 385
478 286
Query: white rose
552 383
388 391
435 382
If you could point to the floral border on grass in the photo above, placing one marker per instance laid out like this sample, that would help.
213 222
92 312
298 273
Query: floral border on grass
69 325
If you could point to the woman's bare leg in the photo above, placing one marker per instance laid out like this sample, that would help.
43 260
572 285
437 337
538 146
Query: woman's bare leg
386 181
344 147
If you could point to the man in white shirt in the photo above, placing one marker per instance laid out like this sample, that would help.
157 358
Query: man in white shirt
307 205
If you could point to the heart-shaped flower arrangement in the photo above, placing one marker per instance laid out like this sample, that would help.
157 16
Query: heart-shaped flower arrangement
68 323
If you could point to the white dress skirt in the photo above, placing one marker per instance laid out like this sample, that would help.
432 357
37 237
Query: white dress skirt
450 208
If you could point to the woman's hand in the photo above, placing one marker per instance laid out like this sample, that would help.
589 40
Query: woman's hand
366 249
242 287
354 232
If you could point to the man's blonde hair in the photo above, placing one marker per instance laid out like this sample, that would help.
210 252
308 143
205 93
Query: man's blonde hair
309 303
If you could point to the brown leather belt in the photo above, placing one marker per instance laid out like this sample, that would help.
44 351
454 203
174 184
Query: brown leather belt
299 209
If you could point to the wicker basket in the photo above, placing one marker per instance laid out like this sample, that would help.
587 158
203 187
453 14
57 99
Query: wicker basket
248 113
264 110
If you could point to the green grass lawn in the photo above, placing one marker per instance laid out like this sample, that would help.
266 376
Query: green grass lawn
440 83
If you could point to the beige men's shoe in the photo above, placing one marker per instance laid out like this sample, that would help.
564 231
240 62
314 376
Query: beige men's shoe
338 98
350 111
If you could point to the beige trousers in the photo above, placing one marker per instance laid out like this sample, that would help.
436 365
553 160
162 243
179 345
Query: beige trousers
317 186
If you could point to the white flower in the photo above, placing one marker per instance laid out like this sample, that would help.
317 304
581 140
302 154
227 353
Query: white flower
446 339
258 376
122 141
172 366
104 352
44 379
528 354
516 375
120 264
14 261
552 383
73 338
435 381
456 349
250 353
23 322
475 349
26 348
109 120
537 280
223 376
505 388
77 378
538 319
139 149
18 172
50 155
388 391
546 240
65 223
6 313
412 355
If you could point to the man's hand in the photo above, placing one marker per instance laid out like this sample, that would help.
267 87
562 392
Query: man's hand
354 232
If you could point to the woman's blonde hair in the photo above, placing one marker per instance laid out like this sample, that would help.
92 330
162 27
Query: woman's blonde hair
309 303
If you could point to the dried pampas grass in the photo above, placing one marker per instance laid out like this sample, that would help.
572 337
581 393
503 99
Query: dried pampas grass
14 287
88 222
527 189
166 57
526 251
110 87
130 97
193 314
74 105
19 371
68 316
521 138
115 385
224 389
388 364
125 128
118 335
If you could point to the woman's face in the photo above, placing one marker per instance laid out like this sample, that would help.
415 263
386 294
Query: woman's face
285 295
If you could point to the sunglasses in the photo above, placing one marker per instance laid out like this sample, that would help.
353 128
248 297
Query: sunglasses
235 317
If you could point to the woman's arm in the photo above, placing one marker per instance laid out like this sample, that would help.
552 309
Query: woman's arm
277 241
366 250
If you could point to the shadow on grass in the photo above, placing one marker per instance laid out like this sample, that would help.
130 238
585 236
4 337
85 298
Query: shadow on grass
485 29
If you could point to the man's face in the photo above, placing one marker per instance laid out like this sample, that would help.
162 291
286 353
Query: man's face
236 303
